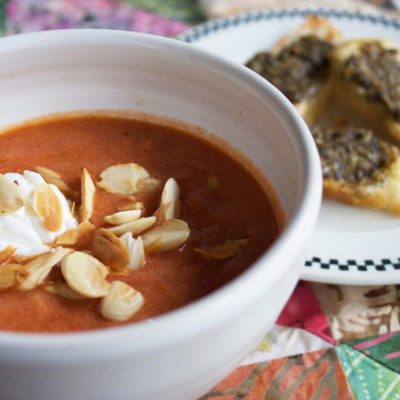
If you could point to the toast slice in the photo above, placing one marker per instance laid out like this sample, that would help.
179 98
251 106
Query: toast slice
359 168
367 76
299 65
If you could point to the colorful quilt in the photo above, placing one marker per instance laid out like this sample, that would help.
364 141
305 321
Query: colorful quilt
331 342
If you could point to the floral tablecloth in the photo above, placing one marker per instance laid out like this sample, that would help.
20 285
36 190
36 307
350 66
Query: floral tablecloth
331 342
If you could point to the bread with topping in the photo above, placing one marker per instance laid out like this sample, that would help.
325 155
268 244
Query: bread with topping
299 65
367 76
359 168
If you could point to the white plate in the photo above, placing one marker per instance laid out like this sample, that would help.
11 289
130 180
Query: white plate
350 245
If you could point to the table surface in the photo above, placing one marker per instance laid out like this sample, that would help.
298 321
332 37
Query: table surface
331 341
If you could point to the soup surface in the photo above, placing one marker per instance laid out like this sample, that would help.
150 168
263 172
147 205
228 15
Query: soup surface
219 200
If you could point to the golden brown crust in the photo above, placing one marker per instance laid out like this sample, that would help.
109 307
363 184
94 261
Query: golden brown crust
353 93
384 195
320 27
312 107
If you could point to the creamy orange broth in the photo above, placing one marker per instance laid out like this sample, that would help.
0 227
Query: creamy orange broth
238 208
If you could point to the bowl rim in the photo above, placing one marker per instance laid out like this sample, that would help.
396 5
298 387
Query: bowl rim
181 323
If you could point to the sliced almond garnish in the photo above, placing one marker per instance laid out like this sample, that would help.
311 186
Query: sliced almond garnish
169 235
136 205
147 184
135 227
169 204
87 192
41 266
85 274
161 213
11 274
72 236
48 207
54 178
62 289
126 179
11 199
123 217
223 251
72 208
110 250
136 250
121 302
213 182
6 254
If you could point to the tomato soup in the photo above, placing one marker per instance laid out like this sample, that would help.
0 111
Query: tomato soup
219 200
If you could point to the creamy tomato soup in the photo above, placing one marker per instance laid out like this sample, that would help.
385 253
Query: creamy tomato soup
227 218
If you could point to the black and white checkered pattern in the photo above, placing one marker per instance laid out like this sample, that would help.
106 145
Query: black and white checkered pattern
223 23
351 265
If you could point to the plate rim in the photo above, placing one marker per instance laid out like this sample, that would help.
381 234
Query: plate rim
222 23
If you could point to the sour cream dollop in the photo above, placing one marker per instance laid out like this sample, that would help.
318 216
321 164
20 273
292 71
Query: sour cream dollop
23 228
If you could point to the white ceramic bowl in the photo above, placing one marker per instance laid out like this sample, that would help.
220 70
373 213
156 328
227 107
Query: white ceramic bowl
183 354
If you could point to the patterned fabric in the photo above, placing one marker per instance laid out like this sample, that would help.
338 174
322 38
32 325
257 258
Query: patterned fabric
282 341
368 379
218 8
304 311
2 17
384 349
357 312
34 15
186 10
315 375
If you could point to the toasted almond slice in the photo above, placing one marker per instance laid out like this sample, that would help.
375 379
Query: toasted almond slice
72 208
62 289
136 250
161 213
124 179
11 199
87 192
41 266
72 236
11 274
121 302
136 205
213 182
169 204
147 184
169 235
135 227
110 250
54 178
6 254
48 207
85 274
48 174
170 195
225 250
123 217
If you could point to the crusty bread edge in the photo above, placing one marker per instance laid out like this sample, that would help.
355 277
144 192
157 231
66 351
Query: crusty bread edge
320 27
352 93
312 107
384 195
